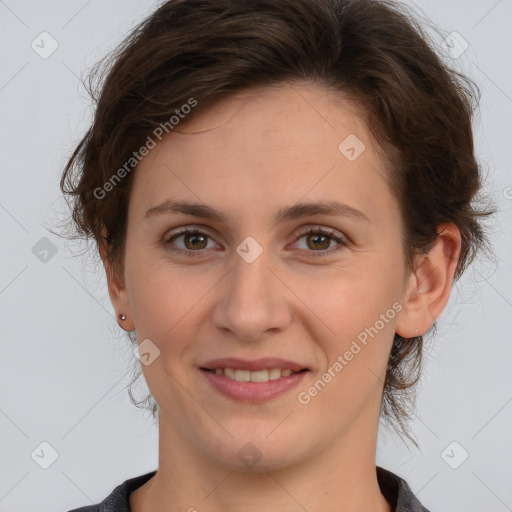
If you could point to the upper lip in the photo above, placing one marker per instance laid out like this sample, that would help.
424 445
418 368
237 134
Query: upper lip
254 365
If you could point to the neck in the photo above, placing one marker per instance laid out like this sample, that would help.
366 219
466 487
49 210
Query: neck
342 477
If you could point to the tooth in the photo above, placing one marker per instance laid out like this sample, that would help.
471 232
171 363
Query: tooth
259 376
230 373
274 374
242 375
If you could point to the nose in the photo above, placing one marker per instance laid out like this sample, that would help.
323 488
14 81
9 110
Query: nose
254 301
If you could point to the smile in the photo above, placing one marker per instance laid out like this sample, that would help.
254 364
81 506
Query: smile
252 387
257 376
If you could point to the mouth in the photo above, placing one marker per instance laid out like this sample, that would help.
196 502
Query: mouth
255 376
253 381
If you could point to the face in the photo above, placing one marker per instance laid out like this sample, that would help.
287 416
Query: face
266 278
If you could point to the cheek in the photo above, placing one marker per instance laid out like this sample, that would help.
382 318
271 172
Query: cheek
163 300
161 297
361 309
350 300
156 293
168 304
353 376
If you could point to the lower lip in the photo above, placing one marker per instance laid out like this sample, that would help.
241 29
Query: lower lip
253 392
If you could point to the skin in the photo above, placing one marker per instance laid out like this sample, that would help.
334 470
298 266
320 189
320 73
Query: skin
248 156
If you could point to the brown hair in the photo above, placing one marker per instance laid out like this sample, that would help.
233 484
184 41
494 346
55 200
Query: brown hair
418 108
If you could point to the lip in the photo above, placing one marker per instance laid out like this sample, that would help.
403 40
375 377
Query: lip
254 365
252 392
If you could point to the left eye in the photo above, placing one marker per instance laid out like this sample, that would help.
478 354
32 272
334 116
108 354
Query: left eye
317 240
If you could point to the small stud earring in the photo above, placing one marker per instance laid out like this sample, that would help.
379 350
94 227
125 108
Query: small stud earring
122 317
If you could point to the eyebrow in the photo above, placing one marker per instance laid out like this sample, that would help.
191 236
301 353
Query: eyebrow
296 211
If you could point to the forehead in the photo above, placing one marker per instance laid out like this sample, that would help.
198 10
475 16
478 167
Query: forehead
273 144
287 112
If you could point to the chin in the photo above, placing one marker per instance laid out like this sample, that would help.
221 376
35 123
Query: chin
255 453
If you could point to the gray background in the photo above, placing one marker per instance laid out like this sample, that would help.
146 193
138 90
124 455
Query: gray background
64 361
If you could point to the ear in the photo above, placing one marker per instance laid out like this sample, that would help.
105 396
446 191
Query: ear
428 287
116 288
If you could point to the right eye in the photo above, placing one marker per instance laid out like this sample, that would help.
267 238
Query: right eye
194 240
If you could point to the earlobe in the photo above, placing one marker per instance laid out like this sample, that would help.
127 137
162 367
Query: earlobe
116 290
429 286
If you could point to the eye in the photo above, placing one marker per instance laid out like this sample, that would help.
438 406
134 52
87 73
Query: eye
194 241
319 239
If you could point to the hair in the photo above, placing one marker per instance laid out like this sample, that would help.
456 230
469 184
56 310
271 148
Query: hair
417 107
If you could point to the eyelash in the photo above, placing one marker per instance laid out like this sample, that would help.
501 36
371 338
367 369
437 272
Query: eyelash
310 231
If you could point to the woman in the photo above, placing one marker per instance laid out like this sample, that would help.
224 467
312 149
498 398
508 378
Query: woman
282 196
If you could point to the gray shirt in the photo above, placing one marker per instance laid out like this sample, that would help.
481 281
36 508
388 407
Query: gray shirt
394 489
